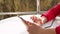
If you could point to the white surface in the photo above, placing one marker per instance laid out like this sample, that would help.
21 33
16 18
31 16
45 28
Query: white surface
14 25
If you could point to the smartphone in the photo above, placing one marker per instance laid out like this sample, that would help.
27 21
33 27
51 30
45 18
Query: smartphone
22 19
25 21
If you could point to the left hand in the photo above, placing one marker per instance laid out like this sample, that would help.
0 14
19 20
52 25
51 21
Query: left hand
39 20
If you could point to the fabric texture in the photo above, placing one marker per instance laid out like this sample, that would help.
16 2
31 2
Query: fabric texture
51 14
58 30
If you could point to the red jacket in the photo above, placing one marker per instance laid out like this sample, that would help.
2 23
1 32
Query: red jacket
51 14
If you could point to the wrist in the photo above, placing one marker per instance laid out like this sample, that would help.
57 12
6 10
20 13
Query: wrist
44 20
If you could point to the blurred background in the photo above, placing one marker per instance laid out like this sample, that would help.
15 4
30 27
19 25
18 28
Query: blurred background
10 8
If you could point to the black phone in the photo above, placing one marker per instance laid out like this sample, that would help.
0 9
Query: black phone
22 19
25 21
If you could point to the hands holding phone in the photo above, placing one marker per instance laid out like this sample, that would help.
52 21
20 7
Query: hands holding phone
32 28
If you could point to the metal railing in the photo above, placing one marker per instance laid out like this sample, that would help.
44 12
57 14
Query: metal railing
4 14
15 13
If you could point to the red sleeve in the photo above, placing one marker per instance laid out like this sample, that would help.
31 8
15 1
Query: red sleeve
58 30
52 13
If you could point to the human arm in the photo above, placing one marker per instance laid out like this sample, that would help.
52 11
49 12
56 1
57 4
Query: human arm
52 13
36 29
33 28
49 15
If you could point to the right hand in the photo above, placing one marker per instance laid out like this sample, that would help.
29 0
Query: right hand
32 28
40 20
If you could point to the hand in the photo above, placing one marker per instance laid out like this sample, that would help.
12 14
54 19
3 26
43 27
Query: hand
35 29
40 20
37 20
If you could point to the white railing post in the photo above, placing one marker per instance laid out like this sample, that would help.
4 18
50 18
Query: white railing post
38 6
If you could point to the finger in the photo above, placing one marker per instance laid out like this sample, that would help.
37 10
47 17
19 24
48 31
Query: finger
24 21
27 23
39 22
34 18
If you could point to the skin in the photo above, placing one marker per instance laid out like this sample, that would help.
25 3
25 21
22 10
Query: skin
39 20
36 29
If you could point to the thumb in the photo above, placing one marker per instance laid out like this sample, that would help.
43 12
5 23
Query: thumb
27 23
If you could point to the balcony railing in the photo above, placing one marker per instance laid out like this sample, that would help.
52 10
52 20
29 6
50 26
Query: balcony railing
8 14
19 13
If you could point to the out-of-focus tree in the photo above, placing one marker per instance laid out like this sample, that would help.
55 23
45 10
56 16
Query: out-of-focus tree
24 5
47 4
